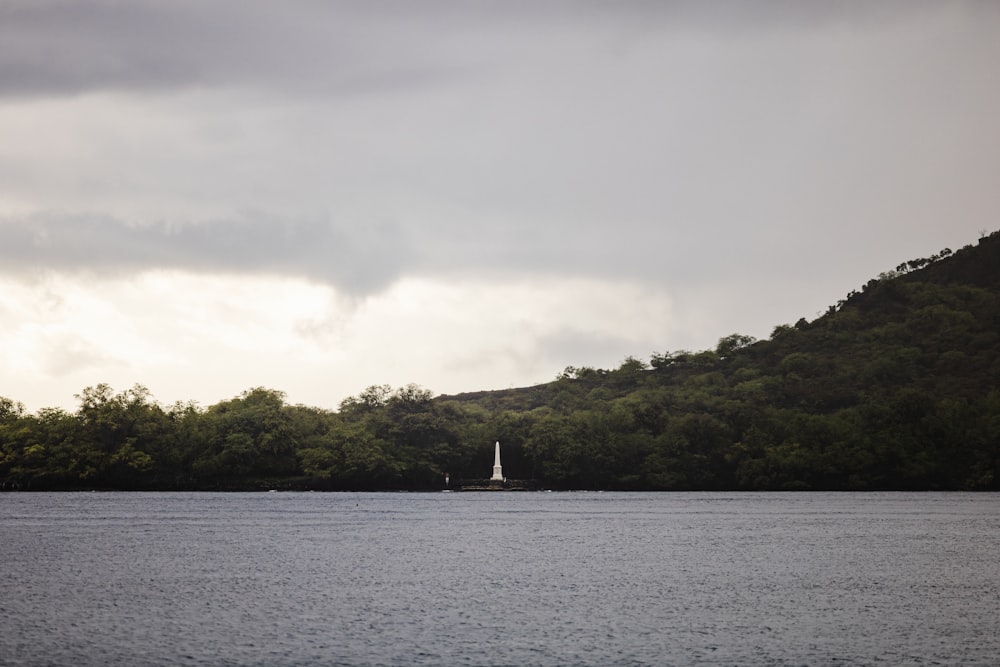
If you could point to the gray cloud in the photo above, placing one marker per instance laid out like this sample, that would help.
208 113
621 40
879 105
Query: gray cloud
60 47
668 142
361 261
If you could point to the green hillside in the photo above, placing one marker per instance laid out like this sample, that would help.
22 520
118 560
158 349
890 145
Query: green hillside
895 387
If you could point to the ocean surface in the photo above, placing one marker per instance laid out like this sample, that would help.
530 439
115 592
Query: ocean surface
499 579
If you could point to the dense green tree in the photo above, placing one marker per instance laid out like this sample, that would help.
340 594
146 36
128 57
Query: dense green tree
896 387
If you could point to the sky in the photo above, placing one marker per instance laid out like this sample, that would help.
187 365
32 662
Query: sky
313 196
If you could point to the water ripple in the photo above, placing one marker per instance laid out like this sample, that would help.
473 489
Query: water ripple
499 579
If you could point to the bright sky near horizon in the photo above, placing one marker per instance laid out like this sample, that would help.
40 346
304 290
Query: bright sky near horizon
207 196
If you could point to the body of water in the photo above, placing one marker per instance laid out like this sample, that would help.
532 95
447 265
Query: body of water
499 579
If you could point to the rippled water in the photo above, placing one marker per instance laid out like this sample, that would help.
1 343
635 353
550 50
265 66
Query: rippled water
499 579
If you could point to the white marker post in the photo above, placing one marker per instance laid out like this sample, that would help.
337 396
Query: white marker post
497 468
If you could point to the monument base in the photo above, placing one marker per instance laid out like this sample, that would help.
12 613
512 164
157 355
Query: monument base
496 485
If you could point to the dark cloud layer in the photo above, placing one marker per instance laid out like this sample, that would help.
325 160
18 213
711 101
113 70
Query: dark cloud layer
661 141
65 48
60 47
356 259
359 262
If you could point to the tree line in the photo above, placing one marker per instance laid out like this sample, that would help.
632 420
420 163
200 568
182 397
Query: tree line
895 387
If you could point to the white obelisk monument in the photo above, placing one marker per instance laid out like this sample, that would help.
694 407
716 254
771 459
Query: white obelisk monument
497 468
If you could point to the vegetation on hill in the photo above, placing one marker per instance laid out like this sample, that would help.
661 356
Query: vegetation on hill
895 387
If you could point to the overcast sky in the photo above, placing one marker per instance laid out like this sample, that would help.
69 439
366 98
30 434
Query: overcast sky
204 196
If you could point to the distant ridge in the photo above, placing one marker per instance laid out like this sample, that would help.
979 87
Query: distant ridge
889 297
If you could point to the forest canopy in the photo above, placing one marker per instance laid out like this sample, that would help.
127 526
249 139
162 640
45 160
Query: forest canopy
894 387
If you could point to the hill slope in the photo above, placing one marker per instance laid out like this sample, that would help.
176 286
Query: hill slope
894 387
